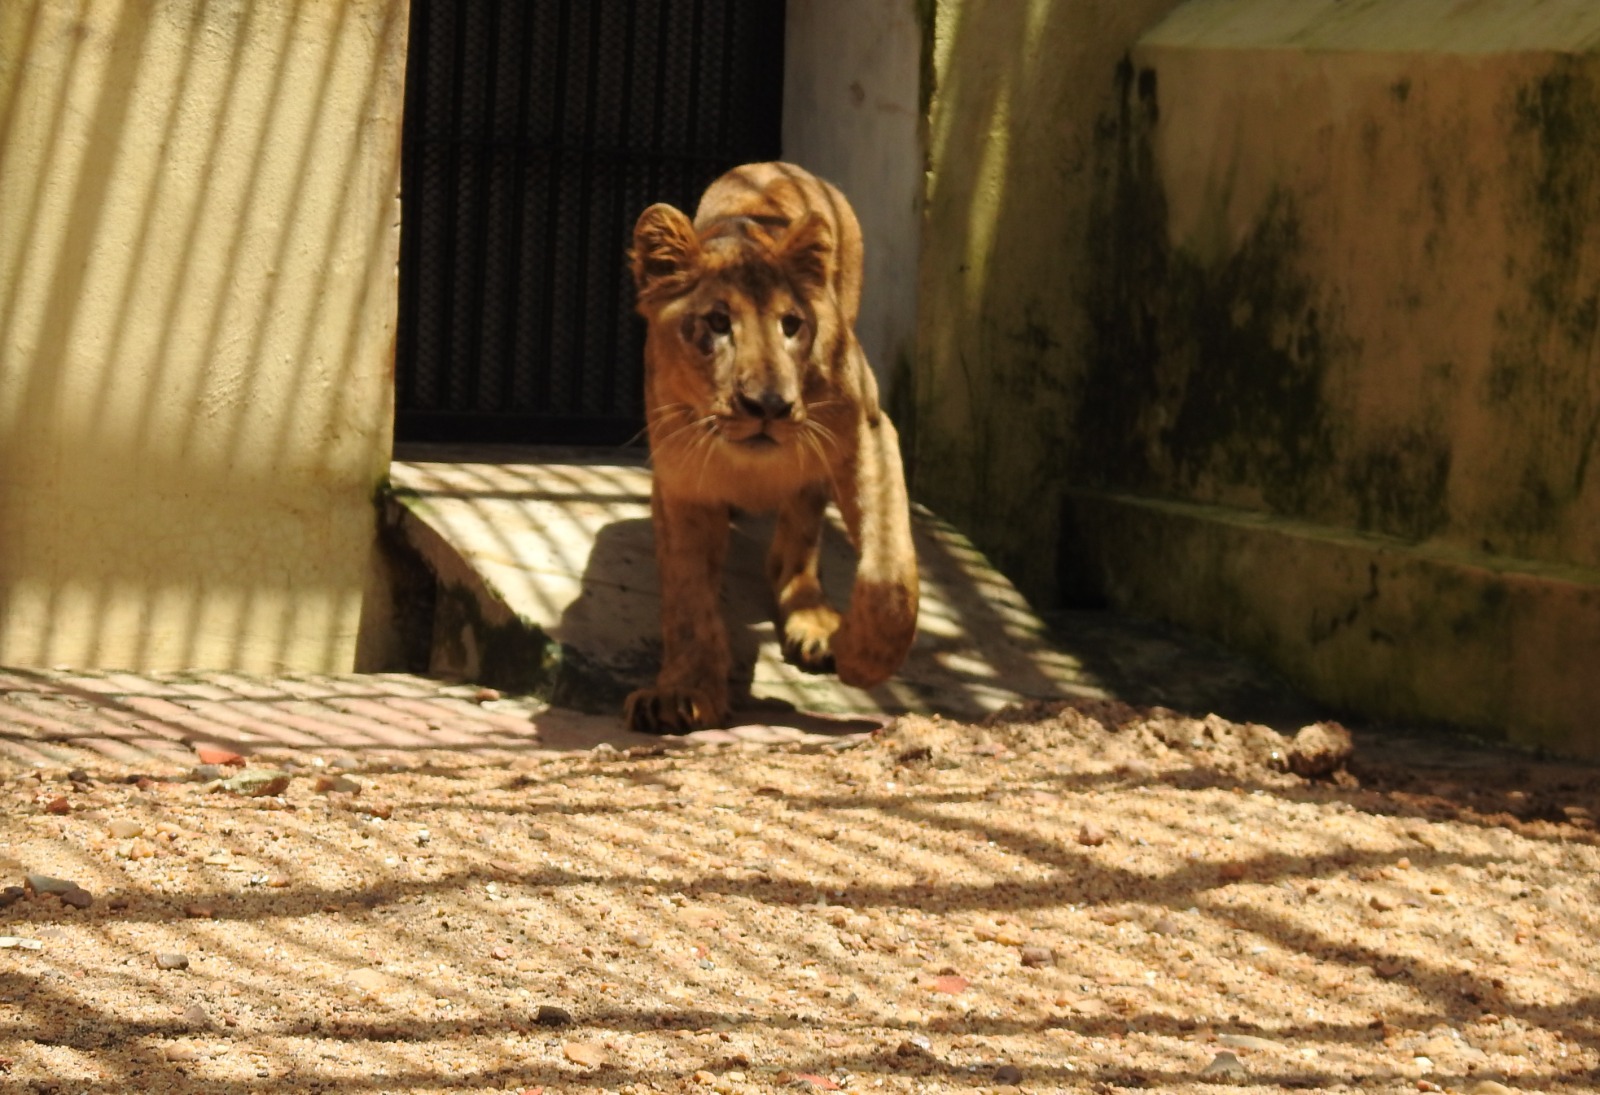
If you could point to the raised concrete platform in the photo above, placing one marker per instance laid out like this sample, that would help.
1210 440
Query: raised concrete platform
1339 411
545 580
1416 634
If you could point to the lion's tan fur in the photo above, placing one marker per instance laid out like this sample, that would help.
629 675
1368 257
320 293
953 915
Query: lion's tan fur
759 398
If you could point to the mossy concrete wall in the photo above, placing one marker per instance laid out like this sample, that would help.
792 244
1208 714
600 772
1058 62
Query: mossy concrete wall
1019 96
198 238
1326 382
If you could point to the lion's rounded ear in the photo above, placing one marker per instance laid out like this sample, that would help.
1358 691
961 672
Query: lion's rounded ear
665 248
807 251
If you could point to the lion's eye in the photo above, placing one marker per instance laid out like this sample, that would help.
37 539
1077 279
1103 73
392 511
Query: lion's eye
718 322
791 325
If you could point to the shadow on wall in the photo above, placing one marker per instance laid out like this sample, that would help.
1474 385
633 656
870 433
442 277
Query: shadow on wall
1022 105
197 246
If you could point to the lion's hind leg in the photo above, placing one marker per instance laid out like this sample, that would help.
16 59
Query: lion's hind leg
806 621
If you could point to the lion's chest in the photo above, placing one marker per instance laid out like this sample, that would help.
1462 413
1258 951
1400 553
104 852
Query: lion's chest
756 480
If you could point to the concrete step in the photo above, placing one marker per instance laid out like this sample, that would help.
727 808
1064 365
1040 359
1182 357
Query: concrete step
545 580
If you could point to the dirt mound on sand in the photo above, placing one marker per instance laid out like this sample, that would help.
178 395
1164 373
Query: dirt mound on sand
1143 741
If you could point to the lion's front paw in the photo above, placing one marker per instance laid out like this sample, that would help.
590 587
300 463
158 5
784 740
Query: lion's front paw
860 662
876 635
808 638
673 711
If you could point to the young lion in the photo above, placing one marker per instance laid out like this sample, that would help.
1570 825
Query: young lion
759 398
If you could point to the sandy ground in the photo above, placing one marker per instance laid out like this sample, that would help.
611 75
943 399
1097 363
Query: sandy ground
1083 899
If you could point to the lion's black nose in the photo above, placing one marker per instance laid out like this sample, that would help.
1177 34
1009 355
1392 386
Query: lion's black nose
770 405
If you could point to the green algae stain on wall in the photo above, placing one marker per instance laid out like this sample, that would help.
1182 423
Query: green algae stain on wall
1200 373
1125 302
1549 330
1258 343
1556 115
1400 484
1213 373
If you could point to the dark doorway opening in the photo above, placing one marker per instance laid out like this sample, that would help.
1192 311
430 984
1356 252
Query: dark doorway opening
536 131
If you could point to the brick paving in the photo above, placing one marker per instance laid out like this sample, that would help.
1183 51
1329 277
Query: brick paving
76 718
55 717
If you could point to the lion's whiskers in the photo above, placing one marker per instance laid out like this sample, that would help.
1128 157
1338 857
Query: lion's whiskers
675 438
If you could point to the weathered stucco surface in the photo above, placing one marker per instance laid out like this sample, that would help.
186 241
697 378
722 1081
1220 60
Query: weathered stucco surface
198 238
1317 371
1019 95
851 114
1377 291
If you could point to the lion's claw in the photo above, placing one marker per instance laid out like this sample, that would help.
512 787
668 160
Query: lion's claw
808 638
811 655
663 711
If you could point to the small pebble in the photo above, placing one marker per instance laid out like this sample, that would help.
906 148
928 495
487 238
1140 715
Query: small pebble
372 982
214 756
1008 1074
70 893
588 1054
124 828
1091 835
1225 1068
549 1015
256 782
172 961
342 785
1035 956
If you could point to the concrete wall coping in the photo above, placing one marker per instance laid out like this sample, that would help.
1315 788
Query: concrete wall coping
1442 26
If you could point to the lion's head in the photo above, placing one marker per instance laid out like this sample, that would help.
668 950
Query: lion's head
744 333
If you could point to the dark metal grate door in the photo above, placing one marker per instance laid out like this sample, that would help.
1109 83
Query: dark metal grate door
536 131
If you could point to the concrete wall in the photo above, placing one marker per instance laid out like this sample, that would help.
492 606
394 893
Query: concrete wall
198 238
1023 97
852 74
1377 280
1285 330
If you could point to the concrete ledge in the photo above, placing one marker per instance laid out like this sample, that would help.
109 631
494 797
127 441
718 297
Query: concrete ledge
1369 624
1444 26
535 572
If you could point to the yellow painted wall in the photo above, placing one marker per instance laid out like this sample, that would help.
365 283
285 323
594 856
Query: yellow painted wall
198 243
1281 322
1382 262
